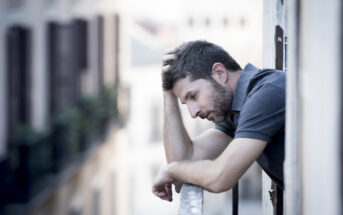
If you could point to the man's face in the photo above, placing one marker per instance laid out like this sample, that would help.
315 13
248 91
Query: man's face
204 98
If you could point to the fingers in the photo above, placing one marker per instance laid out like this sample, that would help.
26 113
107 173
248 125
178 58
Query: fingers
165 68
168 188
164 193
178 187
171 50
162 185
161 194
168 57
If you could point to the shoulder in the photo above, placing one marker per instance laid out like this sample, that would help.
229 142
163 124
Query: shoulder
269 79
263 113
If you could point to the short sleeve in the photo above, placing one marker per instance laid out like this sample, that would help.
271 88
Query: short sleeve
226 127
263 113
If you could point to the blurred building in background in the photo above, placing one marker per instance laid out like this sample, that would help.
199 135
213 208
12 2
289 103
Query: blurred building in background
59 118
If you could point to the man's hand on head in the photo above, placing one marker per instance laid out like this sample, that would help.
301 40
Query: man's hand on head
169 55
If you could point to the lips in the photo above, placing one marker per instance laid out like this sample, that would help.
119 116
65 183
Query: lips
208 116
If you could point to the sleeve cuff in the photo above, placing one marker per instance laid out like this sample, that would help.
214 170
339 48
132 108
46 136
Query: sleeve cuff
247 134
224 130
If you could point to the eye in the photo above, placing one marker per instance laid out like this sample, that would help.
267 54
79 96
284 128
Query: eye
193 96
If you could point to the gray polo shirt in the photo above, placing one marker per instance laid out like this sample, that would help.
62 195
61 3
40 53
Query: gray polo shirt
258 108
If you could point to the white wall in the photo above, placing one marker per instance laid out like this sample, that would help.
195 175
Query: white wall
320 79
292 164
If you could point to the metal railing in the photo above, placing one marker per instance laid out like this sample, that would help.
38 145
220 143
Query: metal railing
192 200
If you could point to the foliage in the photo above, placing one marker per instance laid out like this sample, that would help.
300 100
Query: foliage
70 132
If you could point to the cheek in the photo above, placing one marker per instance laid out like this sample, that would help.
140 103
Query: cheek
208 101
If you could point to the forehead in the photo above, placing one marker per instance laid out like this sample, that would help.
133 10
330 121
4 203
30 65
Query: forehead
185 85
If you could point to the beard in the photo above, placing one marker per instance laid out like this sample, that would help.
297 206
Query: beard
221 101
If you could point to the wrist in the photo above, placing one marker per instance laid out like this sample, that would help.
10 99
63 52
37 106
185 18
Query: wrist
168 93
169 98
171 168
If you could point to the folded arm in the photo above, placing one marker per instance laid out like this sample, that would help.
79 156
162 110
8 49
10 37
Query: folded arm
216 175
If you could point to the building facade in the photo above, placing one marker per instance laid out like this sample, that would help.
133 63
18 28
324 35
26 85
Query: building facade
59 117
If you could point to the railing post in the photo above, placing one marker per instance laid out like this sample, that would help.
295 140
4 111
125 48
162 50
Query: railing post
191 200
235 200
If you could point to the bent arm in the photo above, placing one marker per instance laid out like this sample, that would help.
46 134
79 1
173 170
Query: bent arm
177 143
222 173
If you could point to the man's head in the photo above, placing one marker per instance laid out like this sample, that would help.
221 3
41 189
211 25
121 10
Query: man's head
196 59
199 77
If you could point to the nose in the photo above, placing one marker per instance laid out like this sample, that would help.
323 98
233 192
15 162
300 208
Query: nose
194 110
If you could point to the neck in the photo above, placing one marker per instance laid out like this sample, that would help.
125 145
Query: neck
233 78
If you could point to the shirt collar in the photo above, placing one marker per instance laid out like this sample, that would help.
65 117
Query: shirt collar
242 87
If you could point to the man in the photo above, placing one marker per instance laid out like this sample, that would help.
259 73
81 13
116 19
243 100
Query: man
247 107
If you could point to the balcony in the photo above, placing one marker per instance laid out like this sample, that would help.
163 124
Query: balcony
40 161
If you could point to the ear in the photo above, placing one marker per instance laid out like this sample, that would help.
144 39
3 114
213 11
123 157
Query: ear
219 73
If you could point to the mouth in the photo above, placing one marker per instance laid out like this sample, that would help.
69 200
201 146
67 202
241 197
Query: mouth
203 116
208 117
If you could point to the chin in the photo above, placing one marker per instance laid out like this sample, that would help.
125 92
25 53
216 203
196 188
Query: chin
218 119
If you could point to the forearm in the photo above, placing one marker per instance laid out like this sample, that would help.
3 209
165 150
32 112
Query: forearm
177 143
216 175
204 173
222 173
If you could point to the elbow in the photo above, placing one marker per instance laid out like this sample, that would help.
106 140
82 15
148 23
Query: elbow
218 182
218 187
